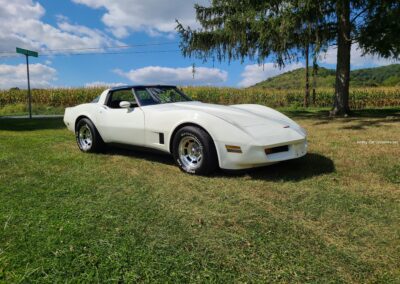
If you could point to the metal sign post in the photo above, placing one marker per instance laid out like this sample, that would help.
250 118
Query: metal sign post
28 53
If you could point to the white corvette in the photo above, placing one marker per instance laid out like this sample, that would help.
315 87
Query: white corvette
200 136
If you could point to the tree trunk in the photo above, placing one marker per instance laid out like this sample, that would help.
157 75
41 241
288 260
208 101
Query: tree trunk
341 99
314 79
307 94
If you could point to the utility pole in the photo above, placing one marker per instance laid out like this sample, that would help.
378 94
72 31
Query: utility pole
28 53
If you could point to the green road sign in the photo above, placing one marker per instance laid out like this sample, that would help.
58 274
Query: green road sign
27 52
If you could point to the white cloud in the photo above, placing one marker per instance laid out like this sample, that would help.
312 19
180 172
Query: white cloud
357 60
255 73
21 25
175 76
155 17
103 84
41 76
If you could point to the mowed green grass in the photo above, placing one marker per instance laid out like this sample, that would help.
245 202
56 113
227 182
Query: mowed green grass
124 216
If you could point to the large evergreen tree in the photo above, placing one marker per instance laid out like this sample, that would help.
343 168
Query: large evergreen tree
257 29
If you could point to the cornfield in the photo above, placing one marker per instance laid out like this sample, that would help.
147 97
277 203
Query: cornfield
360 98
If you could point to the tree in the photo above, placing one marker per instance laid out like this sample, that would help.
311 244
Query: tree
342 82
379 34
307 94
236 30
314 81
374 26
308 31
257 29
311 36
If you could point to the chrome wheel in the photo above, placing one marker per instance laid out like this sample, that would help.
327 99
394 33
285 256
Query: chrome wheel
85 137
190 153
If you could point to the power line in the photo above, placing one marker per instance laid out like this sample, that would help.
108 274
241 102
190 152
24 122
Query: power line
112 53
114 47
100 48
95 53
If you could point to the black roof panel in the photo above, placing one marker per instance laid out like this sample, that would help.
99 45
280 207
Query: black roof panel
138 86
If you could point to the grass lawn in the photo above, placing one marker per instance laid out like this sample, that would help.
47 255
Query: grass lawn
332 216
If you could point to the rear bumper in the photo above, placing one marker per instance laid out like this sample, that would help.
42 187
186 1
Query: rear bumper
255 155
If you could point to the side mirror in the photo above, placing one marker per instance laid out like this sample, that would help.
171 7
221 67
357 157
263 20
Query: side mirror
124 104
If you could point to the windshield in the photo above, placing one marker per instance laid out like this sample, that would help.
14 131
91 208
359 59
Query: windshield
159 95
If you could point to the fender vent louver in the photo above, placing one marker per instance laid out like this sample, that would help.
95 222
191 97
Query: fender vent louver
161 138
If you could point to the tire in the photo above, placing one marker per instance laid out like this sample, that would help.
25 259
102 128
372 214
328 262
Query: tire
87 137
194 151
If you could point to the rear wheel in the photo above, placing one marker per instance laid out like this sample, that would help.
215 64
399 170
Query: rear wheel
194 151
87 136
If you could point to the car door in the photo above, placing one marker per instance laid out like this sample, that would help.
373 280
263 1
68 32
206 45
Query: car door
121 125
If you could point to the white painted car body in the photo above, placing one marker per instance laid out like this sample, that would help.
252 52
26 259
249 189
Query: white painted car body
253 128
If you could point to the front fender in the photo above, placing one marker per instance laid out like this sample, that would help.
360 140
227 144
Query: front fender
169 122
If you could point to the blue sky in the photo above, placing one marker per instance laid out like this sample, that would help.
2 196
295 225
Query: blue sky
98 25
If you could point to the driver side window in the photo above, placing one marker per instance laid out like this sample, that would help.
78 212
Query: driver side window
121 95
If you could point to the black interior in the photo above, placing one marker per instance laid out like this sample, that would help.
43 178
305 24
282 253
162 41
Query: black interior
115 98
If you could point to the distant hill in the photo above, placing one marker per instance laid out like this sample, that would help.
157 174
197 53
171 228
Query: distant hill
369 77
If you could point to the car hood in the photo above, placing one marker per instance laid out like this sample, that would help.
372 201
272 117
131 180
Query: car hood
254 123
237 115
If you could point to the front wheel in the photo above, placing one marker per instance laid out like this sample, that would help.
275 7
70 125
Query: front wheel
194 151
87 136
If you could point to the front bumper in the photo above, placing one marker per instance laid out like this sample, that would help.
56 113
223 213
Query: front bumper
255 155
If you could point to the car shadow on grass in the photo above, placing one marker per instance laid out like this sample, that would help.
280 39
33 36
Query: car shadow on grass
26 124
142 153
309 166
